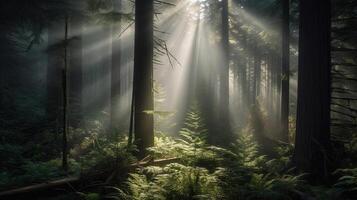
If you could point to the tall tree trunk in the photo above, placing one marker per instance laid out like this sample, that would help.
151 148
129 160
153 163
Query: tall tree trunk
115 71
65 99
243 79
257 74
271 84
224 76
312 144
75 71
277 64
3 39
143 76
285 73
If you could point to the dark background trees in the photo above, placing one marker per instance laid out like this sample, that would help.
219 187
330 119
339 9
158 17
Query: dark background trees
86 85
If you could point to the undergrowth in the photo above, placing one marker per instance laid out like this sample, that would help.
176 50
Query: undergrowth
210 172
203 171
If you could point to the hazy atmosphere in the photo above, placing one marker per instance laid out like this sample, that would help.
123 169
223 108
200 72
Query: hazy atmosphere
178 99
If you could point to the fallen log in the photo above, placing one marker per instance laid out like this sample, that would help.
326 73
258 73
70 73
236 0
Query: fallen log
61 185
71 183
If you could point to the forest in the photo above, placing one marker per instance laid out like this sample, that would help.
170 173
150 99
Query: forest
178 99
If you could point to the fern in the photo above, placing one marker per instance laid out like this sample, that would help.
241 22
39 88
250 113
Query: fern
347 183
175 181
191 147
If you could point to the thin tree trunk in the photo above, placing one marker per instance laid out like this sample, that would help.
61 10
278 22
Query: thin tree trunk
243 79
224 76
143 76
312 144
257 74
131 121
278 77
65 101
285 73
271 84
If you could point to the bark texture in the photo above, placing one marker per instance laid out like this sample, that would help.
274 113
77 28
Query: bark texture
285 73
312 143
143 76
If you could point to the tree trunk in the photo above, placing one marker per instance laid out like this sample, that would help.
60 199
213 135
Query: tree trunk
224 76
243 80
143 76
257 74
271 85
312 144
277 83
285 73
65 100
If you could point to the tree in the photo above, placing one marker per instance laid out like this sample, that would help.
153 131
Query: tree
285 72
224 74
143 76
65 98
312 142
257 74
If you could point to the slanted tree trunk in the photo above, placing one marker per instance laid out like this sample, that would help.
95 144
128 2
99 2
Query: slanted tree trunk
312 144
143 76
65 99
285 73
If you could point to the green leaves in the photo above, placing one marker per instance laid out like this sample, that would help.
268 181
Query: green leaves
348 180
175 181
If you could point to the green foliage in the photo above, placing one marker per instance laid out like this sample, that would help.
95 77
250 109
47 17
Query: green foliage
91 151
347 182
246 150
175 181
236 173
89 196
269 186
191 147
210 172
97 153
345 188
280 163
42 171
10 156
36 172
